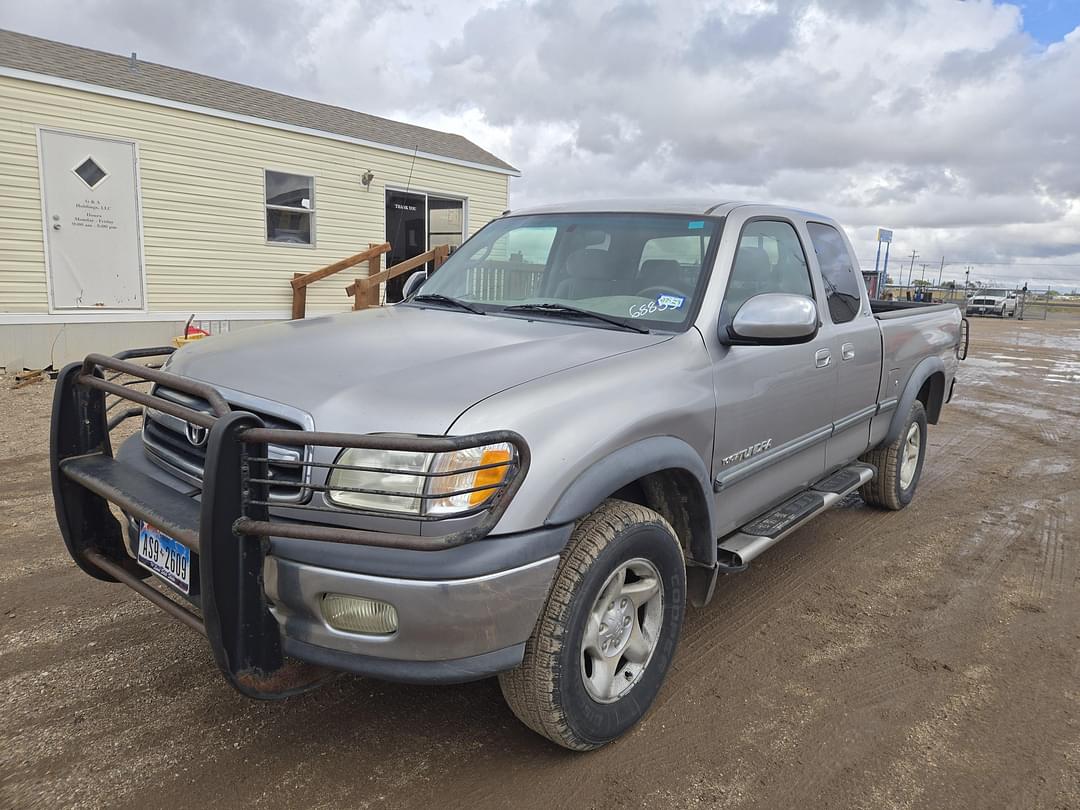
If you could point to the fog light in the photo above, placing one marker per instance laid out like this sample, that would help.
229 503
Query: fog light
355 614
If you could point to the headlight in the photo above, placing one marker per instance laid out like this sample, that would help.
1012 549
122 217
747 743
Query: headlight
440 484
475 474
388 478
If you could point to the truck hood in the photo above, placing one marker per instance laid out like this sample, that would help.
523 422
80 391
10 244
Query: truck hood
395 369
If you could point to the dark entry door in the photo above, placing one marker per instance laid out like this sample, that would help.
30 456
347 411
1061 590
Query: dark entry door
406 231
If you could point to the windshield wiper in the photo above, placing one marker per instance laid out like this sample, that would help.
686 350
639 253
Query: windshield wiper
439 298
562 309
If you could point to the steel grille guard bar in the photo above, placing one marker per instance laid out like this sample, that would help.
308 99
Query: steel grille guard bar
230 530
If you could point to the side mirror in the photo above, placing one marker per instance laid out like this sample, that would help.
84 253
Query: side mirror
773 318
412 284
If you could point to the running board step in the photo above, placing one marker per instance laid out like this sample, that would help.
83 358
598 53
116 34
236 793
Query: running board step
735 551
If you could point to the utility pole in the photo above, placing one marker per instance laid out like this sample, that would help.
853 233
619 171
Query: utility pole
914 255
967 277
940 271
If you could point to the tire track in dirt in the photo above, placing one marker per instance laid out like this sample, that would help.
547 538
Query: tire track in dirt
1048 573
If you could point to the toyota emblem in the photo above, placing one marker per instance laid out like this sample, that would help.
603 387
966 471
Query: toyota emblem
197 434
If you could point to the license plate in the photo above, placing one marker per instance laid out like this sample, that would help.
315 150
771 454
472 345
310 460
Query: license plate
169 559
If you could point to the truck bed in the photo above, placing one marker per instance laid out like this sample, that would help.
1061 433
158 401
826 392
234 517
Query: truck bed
912 332
883 309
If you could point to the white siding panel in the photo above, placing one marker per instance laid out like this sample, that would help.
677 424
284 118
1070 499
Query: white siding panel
202 201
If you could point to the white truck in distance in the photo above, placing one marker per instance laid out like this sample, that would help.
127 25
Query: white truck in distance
993 302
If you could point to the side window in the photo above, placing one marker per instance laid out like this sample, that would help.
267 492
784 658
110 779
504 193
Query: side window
290 208
837 271
769 259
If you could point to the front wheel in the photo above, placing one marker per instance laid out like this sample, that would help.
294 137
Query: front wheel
899 464
606 637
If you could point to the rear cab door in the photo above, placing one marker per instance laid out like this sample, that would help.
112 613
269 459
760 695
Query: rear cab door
774 403
855 342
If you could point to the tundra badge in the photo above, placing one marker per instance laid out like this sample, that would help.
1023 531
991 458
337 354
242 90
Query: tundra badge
752 450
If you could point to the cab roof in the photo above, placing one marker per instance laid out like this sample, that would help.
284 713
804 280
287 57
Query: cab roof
644 205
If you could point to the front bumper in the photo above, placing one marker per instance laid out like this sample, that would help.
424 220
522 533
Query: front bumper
260 611
439 621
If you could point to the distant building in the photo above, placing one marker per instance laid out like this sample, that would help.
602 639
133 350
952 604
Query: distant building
137 194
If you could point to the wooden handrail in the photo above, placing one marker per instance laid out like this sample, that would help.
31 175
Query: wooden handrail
301 281
304 279
437 255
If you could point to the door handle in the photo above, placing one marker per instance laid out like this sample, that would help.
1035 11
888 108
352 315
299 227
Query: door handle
822 358
847 351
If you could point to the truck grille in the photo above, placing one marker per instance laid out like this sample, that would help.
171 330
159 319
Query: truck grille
166 439
984 302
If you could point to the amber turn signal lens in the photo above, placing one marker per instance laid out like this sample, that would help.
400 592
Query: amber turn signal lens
492 476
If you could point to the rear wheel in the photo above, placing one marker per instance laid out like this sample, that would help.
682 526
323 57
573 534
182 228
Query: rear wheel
606 637
899 464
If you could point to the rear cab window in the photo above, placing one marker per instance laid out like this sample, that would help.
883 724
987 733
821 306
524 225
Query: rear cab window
837 272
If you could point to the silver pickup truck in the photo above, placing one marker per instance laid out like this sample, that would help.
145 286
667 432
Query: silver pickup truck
526 469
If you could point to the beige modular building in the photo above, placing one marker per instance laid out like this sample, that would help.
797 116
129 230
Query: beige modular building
136 195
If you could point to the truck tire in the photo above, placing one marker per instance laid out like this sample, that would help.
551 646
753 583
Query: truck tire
606 636
899 464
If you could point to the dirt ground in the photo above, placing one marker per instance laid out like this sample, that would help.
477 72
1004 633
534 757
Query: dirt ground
924 658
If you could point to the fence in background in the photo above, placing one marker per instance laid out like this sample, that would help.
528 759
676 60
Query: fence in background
1031 304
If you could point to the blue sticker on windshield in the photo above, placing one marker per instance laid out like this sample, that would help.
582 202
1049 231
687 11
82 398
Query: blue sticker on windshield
670 302
696 225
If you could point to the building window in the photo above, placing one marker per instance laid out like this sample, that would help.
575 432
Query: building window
90 173
290 208
445 222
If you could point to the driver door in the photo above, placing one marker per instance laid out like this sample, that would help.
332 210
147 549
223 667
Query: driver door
773 403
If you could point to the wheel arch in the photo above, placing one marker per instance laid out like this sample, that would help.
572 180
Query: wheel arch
926 384
663 473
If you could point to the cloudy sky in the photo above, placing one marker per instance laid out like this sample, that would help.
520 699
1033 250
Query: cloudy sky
956 123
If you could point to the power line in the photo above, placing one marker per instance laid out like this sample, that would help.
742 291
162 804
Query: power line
1013 264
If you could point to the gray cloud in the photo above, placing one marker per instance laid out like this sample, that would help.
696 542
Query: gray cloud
938 118
723 39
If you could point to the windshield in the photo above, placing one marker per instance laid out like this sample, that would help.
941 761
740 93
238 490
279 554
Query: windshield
991 294
643 270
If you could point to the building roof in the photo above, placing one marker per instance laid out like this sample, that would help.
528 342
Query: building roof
22 52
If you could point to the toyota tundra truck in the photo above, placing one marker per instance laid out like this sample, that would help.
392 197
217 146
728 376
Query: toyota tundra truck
527 469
